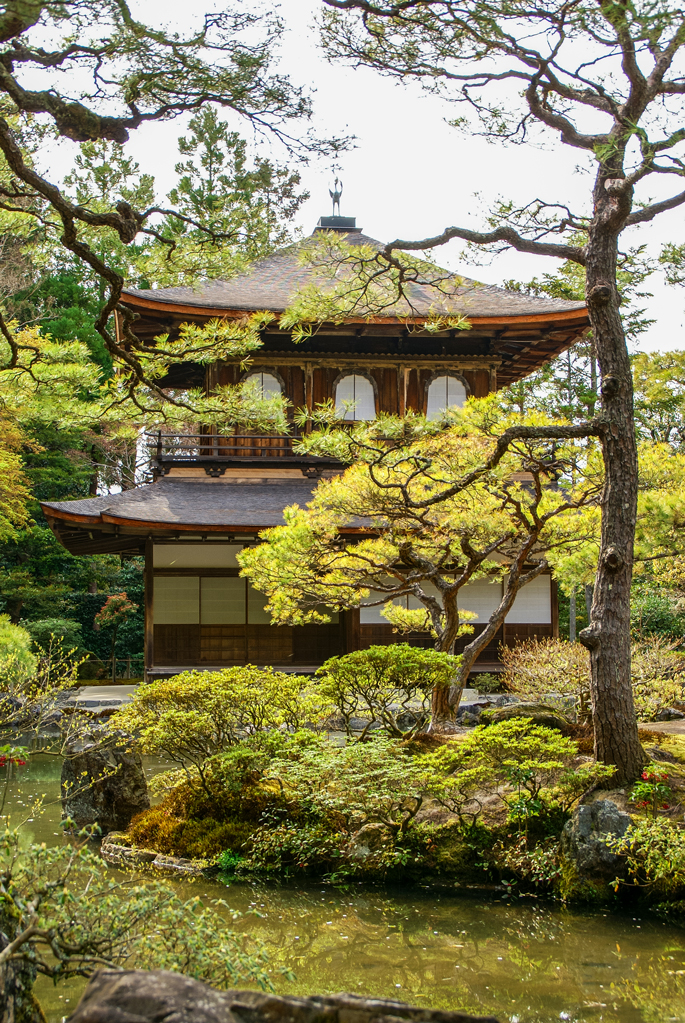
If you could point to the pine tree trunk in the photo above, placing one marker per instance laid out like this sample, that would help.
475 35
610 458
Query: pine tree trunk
608 634
443 705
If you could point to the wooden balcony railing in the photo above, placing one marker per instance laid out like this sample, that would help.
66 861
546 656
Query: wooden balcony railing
198 447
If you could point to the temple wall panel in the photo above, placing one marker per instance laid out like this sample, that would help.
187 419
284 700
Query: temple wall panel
294 384
387 390
321 385
413 400
533 603
478 381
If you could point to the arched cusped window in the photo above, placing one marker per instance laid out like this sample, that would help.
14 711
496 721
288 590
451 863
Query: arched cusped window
266 382
443 393
357 389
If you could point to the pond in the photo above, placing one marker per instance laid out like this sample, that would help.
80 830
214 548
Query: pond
521 960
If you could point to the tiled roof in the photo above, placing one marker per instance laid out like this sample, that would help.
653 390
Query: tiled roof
272 283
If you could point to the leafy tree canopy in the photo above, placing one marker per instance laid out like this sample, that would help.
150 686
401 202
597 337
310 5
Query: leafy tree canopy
422 511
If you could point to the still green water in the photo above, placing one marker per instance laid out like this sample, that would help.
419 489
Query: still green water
521 960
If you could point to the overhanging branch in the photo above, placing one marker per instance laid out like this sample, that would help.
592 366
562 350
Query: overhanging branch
499 234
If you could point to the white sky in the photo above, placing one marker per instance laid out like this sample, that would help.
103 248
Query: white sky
411 175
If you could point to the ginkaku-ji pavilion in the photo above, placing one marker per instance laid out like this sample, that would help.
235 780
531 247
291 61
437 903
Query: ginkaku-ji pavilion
212 494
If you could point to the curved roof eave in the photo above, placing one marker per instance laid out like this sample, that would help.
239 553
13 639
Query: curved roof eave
576 315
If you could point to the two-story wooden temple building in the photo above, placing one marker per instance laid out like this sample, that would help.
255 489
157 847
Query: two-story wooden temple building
213 494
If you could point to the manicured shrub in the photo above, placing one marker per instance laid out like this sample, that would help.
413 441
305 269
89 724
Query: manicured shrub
45 632
198 714
386 684
532 769
203 820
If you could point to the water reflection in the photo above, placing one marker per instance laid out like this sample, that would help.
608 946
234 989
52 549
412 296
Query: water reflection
521 961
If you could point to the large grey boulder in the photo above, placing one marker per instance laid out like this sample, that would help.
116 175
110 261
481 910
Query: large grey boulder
583 840
158 996
538 713
103 785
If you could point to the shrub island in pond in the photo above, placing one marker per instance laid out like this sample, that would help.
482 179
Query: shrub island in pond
336 777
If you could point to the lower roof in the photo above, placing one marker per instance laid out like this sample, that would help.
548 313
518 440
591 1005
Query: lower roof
171 508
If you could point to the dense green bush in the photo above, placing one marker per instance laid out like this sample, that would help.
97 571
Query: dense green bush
45 631
198 714
17 661
529 767
656 612
385 684
202 820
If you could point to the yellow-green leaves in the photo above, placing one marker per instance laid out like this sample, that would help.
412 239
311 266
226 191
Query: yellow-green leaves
197 714
424 510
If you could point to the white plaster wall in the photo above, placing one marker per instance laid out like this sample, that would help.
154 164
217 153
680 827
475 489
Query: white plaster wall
482 596
533 604
201 555
177 600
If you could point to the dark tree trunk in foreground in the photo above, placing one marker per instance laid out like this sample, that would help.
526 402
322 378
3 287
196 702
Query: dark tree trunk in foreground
17 1001
607 636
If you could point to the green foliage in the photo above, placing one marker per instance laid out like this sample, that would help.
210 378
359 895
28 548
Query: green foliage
530 767
487 682
30 686
361 783
236 210
659 382
45 631
17 660
656 612
385 682
537 865
74 918
222 813
654 849
197 714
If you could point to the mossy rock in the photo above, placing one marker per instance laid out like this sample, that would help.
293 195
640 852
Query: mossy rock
538 713
452 856
192 839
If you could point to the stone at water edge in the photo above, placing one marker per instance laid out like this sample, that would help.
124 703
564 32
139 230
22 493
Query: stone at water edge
583 838
104 786
141 996
368 840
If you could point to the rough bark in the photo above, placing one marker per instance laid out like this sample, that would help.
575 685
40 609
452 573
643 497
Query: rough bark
607 637
17 1001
